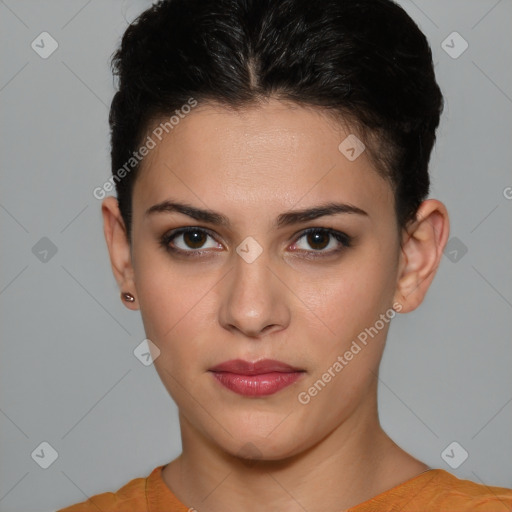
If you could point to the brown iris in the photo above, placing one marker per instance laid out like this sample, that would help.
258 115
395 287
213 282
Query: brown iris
315 238
194 239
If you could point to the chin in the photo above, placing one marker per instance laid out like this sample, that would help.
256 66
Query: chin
250 445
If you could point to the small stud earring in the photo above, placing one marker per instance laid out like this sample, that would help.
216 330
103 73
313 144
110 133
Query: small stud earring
127 297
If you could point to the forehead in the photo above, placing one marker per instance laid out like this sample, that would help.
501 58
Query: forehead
267 158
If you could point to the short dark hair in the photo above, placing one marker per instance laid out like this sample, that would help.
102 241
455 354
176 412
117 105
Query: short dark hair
365 62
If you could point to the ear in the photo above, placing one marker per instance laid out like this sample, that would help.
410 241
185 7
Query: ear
422 248
118 248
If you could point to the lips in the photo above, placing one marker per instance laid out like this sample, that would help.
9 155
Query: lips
259 378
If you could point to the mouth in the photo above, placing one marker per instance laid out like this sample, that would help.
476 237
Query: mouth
259 378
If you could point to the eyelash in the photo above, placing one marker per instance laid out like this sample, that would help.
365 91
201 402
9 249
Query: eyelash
344 240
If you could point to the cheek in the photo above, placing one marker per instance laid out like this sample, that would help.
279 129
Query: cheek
177 304
163 300
352 295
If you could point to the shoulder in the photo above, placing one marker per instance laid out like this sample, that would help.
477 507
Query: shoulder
459 494
438 490
130 497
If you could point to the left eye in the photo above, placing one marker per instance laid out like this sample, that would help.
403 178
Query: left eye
322 238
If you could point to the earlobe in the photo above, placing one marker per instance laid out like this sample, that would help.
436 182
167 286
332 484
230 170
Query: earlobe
422 250
119 250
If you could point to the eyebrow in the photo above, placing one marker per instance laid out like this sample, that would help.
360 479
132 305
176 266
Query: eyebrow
285 219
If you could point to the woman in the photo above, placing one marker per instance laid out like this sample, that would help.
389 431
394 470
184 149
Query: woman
270 159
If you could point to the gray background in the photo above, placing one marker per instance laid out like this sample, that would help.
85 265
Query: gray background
67 369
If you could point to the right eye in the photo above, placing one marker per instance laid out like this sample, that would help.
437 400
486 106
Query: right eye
188 240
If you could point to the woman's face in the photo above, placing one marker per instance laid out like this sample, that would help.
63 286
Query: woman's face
256 286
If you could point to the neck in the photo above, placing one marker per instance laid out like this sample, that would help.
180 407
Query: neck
353 463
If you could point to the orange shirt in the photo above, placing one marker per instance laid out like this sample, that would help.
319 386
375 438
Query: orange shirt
433 490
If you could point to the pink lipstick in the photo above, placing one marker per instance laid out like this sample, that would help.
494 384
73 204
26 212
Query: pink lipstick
261 378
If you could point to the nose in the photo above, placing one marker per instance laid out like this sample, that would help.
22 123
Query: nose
255 300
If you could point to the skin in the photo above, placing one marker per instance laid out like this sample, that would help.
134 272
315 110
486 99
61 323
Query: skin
273 452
